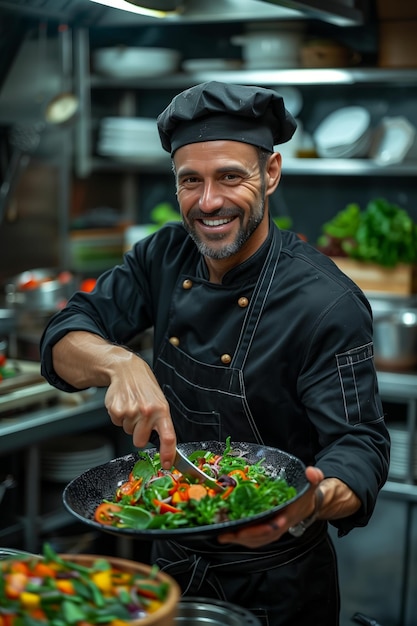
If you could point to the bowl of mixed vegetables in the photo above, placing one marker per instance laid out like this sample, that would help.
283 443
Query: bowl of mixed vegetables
133 495
84 589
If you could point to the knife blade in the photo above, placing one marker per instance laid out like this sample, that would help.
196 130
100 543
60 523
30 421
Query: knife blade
187 467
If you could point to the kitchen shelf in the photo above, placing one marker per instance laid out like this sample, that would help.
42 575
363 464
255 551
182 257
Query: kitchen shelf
88 83
295 76
290 166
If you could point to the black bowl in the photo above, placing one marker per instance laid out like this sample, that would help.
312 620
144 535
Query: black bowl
83 494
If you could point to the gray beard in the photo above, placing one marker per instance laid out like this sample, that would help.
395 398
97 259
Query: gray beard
229 249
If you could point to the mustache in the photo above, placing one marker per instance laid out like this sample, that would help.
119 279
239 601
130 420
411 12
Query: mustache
197 214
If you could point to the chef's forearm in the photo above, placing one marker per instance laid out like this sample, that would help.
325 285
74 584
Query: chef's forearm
337 500
84 360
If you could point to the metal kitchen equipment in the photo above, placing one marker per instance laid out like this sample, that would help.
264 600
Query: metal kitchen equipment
195 611
187 467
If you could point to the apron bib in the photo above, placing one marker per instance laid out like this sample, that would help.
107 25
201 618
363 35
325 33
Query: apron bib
208 402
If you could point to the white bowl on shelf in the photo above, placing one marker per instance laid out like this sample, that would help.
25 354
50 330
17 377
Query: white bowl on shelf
135 62
393 139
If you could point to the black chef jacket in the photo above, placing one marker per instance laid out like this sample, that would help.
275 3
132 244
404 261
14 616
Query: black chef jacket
309 373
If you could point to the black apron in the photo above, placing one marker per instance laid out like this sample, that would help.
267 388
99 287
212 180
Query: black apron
291 582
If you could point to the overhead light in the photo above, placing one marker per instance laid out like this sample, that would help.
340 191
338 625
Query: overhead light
133 6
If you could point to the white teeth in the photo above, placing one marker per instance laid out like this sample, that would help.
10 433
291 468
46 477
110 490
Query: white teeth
216 222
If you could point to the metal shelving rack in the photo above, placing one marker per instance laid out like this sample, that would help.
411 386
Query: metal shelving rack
86 163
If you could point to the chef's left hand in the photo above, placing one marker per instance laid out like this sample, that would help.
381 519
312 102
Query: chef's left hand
273 529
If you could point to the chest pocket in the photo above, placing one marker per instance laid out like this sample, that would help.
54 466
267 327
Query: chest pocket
191 425
353 368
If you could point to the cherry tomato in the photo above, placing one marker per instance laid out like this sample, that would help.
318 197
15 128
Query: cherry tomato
105 513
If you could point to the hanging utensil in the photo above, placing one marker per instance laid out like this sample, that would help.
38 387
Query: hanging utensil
63 107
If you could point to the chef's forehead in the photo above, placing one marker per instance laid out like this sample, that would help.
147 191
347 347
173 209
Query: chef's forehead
215 110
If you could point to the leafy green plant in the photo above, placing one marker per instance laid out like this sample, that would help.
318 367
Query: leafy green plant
383 233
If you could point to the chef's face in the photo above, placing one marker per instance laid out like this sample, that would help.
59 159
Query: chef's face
222 191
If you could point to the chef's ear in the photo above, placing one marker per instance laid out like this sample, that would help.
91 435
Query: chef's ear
273 172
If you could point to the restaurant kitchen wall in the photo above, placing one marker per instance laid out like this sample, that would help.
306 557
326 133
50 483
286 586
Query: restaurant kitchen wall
47 196
308 198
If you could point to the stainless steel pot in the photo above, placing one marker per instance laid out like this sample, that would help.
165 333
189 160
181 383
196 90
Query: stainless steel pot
39 290
7 322
395 339
204 611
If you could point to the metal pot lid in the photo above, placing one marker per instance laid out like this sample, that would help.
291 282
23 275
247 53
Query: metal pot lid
194 611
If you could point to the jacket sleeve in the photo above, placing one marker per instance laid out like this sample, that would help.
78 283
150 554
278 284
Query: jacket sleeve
339 388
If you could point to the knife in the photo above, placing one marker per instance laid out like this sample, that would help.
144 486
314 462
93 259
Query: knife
187 467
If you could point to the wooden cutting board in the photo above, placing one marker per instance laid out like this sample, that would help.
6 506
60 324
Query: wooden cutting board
399 280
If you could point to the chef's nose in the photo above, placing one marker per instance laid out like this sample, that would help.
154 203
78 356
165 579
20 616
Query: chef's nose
211 198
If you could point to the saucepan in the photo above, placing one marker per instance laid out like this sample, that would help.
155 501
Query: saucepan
40 289
83 494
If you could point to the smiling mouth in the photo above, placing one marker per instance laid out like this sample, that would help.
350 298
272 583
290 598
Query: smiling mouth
217 222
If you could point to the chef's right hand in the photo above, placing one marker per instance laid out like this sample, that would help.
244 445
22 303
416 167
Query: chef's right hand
135 401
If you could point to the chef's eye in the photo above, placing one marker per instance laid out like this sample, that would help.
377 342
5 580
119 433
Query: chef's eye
231 178
190 180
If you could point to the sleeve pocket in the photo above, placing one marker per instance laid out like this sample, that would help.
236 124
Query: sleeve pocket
359 384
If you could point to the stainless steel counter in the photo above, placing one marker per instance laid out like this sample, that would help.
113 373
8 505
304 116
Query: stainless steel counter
34 426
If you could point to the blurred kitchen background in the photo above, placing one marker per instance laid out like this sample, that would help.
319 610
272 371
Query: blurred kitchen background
82 176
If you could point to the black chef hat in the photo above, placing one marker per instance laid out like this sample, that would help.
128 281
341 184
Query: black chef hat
215 110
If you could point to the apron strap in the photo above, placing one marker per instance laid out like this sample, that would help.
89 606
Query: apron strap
197 568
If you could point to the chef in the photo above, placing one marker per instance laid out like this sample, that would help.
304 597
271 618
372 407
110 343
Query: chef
257 336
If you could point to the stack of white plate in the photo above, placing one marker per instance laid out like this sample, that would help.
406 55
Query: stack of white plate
400 442
129 138
345 133
64 458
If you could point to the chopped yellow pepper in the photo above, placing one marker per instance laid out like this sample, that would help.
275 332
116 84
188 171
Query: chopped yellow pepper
30 600
103 580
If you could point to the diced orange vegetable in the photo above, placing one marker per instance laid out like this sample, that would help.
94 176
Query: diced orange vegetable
42 570
196 492
15 584
19 566
65 586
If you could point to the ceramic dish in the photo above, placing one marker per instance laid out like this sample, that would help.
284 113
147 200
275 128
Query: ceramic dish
82 495
394 137
135 62
342 129
163 615
211 65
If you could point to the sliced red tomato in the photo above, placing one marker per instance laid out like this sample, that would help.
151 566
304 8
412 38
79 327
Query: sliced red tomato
128 488
105 513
